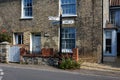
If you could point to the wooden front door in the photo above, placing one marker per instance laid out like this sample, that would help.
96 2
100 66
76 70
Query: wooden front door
36 43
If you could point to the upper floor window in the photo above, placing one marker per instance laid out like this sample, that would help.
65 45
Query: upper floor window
115 17
68 7
26 8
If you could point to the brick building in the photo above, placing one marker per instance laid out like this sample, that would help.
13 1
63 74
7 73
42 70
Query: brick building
27 22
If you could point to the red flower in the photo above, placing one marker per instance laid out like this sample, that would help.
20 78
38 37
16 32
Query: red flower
4 31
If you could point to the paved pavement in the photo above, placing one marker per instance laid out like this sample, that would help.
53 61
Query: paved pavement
85 65
101 67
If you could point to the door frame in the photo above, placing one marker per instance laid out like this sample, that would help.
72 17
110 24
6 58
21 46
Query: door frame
113 43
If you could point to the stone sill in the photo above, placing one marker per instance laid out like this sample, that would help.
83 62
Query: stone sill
26 18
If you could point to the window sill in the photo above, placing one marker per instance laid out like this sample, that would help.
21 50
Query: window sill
26 18
68 15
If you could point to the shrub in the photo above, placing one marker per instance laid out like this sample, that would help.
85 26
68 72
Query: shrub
69 64
5 37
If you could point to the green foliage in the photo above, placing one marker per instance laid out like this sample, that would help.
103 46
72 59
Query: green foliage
5 37
69 64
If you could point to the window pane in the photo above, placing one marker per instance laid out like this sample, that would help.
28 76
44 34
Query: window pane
68 1
63 36
63 46
108 50
26 11
108 41
30 3
108 45
108 34
113 17
30 11
117 18
73 1
25 3
19 39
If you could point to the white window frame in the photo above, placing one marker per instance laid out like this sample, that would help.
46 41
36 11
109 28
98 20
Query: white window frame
68 50
15 38
68 15
22 11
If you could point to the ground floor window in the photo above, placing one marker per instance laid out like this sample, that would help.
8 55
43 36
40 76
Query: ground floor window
108 41
18 38
68 39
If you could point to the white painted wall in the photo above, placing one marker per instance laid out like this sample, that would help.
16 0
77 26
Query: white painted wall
105 12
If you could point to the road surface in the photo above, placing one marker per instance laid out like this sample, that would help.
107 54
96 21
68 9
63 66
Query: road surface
14 73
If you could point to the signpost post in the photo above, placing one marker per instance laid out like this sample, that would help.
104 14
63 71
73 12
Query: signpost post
60 44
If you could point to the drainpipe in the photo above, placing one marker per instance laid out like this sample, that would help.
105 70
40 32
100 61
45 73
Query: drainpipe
102 34
92 24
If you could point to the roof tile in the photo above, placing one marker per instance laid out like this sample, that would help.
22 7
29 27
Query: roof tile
114 2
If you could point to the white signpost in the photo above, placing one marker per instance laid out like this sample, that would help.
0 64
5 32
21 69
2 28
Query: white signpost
68 22
54 18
